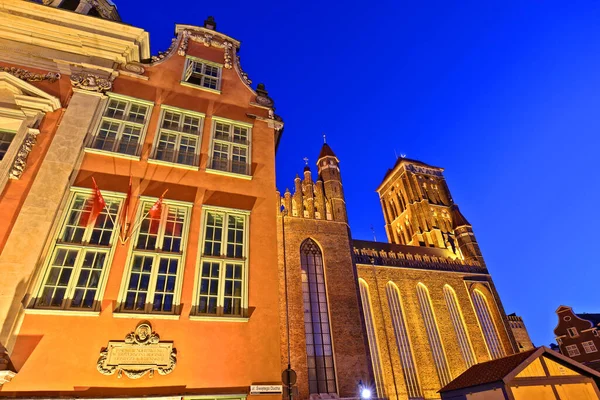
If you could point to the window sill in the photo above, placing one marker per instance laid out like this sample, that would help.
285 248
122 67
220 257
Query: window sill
112 153
61 311
118 314
210 318
184 83
172 164
226 173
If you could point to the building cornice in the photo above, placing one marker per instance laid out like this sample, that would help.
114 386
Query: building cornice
52 28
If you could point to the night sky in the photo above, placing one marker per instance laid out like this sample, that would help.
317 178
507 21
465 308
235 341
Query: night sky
505 95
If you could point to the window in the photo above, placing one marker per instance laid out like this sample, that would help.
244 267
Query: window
572 350
589 347
122 126
595 332
559 340
77 264
223 271
5 139
179 136
488 327
203 73
403 342
459 326
433 334
319 351
230 150
155 269
572 332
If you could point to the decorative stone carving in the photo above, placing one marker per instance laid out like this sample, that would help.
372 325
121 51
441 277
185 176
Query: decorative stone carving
90 82
31 76
228 61
243 75
162 54
185 37
140 353
21 160
135 68
262 96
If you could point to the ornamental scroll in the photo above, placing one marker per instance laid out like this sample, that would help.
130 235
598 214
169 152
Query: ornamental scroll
141 352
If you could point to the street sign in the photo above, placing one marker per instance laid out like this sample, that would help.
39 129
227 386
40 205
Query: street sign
289 377
266 389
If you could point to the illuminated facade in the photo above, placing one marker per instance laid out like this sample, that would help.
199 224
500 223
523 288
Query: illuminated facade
144 254
578 336
428 306
147 297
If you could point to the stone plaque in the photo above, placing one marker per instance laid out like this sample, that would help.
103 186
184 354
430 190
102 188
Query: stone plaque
141 352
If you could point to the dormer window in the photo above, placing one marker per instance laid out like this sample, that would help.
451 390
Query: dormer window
203 74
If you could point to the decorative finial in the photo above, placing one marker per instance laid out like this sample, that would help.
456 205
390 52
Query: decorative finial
402 155
210 23
373 230
305 160
324 138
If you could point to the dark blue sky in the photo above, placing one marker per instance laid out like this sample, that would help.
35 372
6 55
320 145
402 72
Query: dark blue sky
505 95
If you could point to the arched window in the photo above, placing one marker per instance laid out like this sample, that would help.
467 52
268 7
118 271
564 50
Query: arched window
321 372
365 299
402 341
433 334
459 326
488 327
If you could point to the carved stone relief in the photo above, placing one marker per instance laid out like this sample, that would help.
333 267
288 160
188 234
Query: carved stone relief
140 353
21 160
31 76
90 82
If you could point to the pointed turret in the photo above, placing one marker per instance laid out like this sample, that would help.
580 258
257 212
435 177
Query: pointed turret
463 231
329 173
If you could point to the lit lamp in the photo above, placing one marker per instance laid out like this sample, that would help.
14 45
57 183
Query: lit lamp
365 391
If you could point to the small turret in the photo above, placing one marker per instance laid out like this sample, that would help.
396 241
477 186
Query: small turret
463 232
329 173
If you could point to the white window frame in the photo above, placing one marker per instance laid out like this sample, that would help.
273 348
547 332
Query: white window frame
180 133
122 124
571 330
572 350
157 253
231 143
56 244
223 260
188 71
589 347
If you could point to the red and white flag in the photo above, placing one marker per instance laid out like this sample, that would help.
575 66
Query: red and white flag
96 203
155 213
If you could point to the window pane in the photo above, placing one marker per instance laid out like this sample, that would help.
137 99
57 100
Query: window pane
77 219
130 140
5 139
316 320
148 231
232 302
173 229
88 280
137 113
104 227
235 236
116 109
213 234
139 282
165 284
59 275
166 147
209 288
107 136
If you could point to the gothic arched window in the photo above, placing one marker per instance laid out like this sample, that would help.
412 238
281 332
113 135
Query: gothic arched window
459 326
403 342
321 372
488 327
365 299
433 334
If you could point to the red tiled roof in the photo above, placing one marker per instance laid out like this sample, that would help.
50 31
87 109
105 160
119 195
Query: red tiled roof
488 372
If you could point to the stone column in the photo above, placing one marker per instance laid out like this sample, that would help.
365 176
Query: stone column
26 242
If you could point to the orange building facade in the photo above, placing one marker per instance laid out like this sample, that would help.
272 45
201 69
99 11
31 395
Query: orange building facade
172 289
